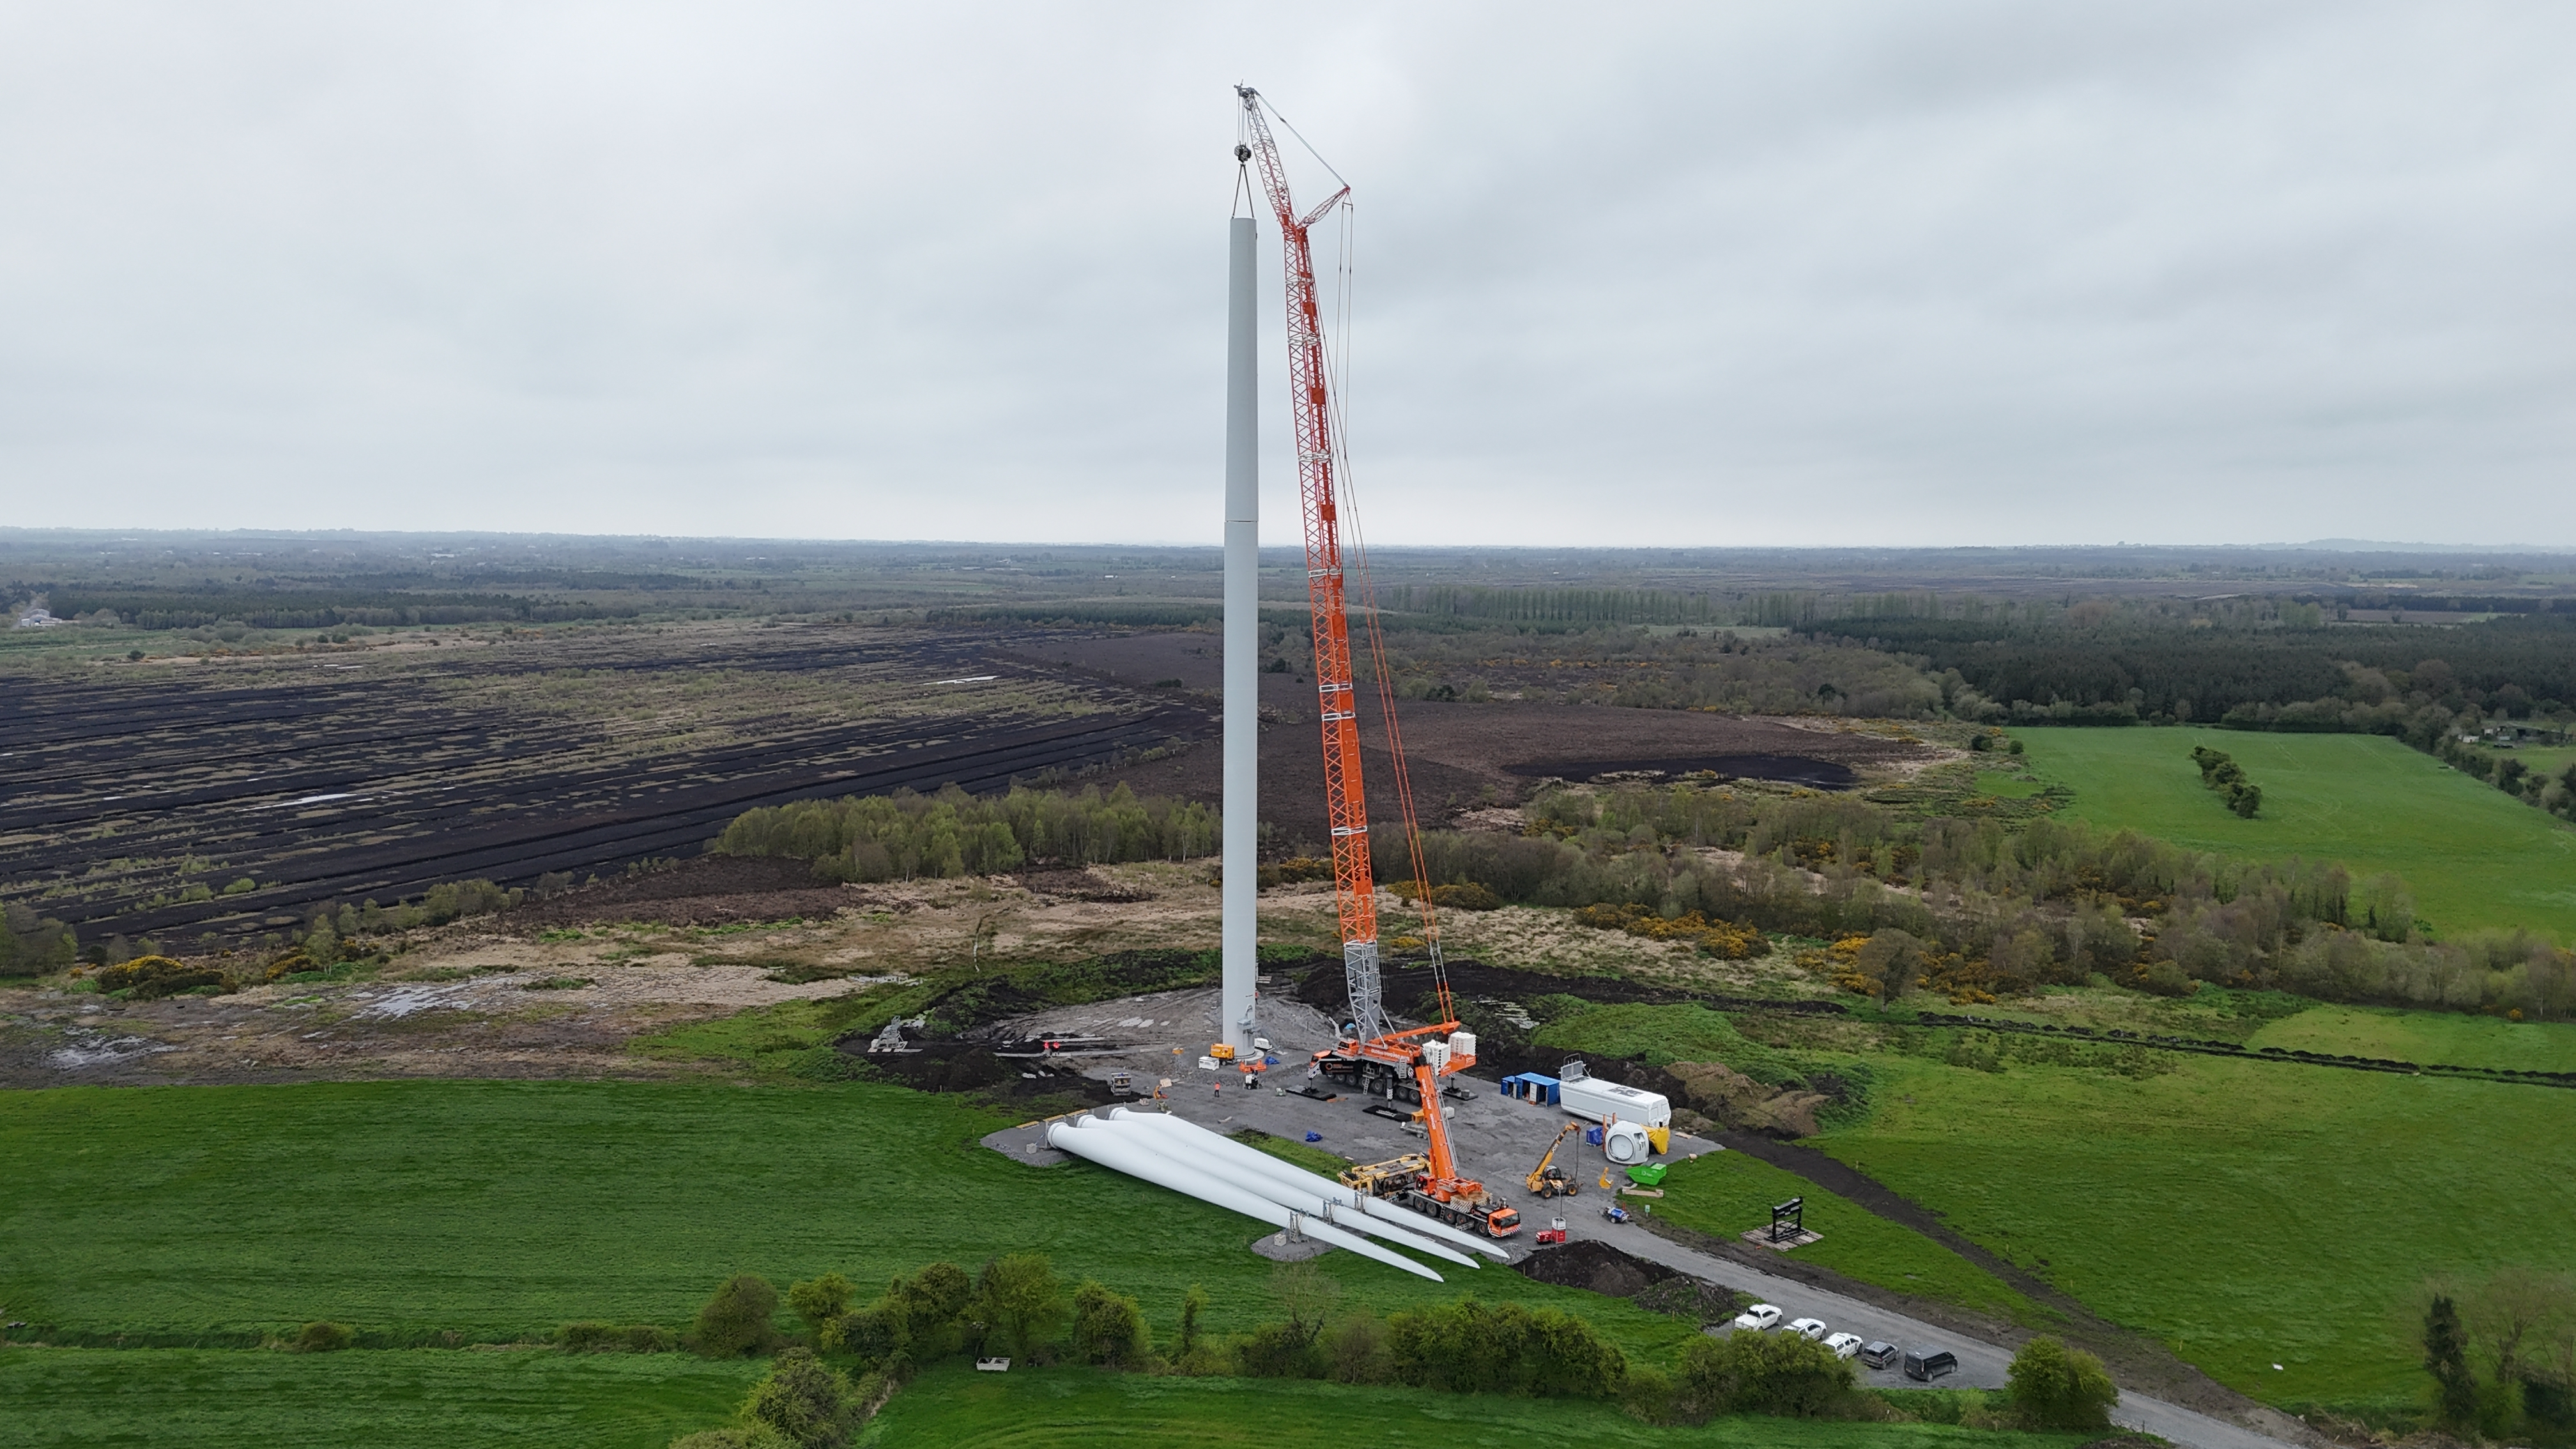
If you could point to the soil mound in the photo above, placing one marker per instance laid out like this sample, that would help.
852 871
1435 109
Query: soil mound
1735 1100
1593 1265
710 890
962 1067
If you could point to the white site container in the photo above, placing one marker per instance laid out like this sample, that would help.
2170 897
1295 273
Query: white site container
1594 1100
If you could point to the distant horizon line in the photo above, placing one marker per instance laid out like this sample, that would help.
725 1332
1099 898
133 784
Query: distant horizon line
2320 545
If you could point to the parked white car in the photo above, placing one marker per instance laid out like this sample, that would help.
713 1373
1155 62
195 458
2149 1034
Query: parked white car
1758 1317
1808 1328
1844 1345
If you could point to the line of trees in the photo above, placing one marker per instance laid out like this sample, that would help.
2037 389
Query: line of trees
1704 667
1572 606
850 1357
2220 772
320 609
2101 663
907 835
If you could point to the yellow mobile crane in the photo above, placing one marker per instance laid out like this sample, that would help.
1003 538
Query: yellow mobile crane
1549 1180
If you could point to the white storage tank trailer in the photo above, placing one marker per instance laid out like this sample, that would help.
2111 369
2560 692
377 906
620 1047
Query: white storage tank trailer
1636 1122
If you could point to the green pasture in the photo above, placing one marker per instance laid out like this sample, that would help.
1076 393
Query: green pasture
1074 1408
2446 1038
496 1211
2539 759
1723 1194
57 1398
2006 787
2474 856
2248 1213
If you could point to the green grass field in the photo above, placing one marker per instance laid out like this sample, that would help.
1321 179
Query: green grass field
2539 759
57 1398
2473 856
957 1408
2006 787
2426 1036
1725 1193
2247 1213
498 1211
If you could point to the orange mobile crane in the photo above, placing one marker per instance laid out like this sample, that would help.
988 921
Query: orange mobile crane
1370 1057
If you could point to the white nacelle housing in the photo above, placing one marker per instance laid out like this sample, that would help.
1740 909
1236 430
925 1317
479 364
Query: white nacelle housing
1594 1100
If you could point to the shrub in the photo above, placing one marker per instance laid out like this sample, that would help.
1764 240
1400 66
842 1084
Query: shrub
1355 1351
324 1336
1022 1299
589 1337
1764 1373
150 978
2163 978
1278 1351
1108 1328
930 1308
820 1300
1464 896
1888 962
1650 1396
871 1335
738 1436
1193 1307
1722 939
31 945
1467 896
737 1321
804 1402
1471 1347
2055 1387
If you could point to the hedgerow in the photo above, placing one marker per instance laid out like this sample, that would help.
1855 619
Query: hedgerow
952 833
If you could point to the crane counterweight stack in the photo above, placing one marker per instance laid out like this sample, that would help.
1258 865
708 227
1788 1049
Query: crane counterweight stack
1370 1055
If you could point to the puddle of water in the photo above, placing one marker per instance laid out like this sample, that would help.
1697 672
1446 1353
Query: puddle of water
101 1052
411 1000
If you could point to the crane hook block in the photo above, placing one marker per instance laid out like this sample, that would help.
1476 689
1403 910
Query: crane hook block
1242 154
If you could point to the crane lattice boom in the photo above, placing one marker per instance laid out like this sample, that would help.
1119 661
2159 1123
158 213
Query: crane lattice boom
1336 693
1407 1054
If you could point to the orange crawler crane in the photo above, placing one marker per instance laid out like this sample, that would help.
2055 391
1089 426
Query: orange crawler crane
1370 1058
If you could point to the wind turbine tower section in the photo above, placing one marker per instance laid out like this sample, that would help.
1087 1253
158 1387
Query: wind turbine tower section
1242 643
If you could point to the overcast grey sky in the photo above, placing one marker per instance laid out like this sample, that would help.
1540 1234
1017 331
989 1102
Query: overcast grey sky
1706 274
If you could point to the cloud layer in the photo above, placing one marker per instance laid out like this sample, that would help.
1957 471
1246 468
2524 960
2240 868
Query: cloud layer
1863 273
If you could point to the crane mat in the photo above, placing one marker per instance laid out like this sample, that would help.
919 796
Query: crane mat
1314 1094
1392 1114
